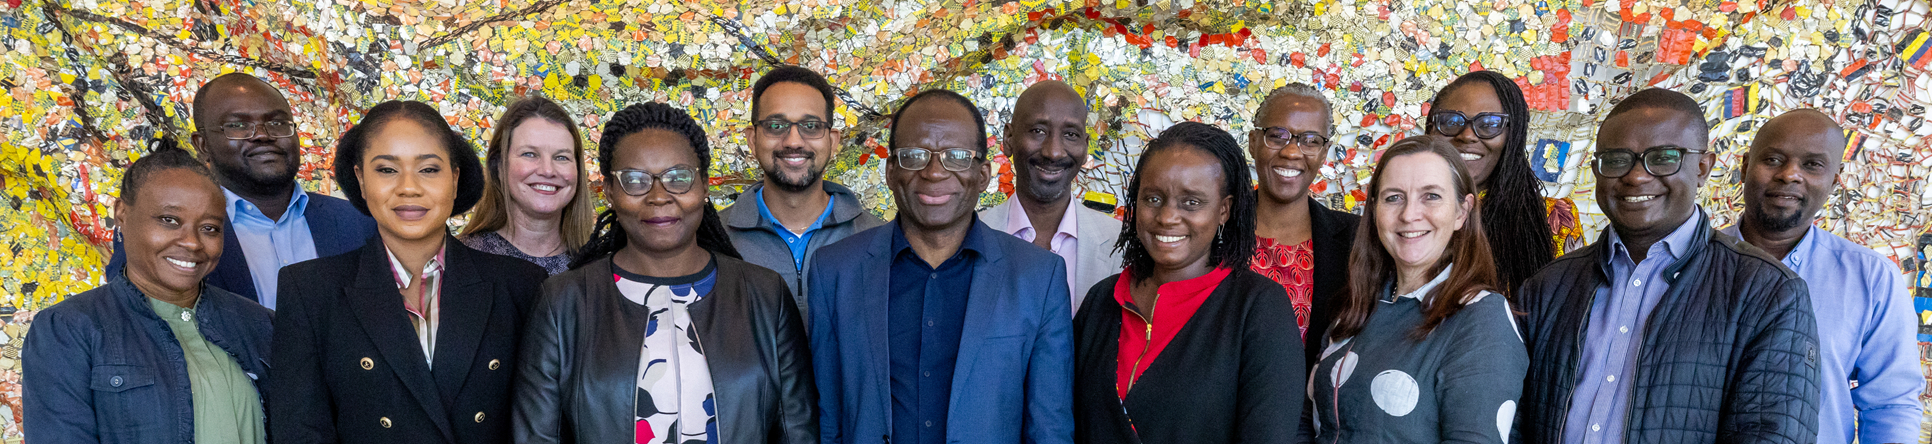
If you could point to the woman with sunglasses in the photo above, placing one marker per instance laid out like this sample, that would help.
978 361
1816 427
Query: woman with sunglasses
413 337
659 332
1487 121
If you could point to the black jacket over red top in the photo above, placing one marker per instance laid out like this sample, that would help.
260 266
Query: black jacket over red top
1232 373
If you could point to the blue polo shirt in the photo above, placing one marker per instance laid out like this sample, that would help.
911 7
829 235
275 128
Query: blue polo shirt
926 313
797 242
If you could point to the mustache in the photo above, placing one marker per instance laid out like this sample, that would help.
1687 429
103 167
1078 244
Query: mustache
1043 162
807 154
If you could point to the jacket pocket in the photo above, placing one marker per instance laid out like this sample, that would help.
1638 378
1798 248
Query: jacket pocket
119 378
127 403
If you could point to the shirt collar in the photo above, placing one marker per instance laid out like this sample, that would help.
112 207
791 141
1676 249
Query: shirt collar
1421 294
1021 224
1796 258
430 270
238 207
972 243
1676 242
764 212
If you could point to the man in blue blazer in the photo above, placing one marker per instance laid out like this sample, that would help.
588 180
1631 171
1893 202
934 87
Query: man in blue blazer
245 130
936 328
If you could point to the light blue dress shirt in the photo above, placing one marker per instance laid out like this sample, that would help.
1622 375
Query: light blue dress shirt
1871 372
270 244
1618 316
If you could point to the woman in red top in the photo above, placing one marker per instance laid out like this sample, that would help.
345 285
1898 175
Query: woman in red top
1299 243
1187 344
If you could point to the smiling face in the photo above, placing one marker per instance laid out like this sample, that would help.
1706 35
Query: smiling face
1181 207
934 198
1478 154
1791 169
1047 141
1644 208
1286 173
791 161
541 172
172 235
658 222
1417 210
257 164
408 181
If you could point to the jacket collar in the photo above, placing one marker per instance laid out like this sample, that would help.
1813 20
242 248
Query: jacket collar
744 213
132 299
1700 237
1321 220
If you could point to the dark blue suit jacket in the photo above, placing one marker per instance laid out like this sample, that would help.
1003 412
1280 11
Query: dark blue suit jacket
1013 382
335 224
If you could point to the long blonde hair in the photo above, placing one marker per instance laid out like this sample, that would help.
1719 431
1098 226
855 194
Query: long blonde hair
493 212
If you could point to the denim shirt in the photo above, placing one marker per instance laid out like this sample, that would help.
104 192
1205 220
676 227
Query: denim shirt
1599 406
102 367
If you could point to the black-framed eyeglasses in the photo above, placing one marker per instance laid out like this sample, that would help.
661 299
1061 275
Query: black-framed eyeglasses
1658 161
246 130
1310 142
952 159
808 128
676 180
1451 123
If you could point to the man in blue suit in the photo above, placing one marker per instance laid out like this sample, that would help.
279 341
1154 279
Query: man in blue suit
935 328
245 130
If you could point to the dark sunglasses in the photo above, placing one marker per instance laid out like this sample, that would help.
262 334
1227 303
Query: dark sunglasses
1451 123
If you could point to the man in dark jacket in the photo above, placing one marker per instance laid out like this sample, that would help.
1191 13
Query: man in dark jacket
1665 330
780 221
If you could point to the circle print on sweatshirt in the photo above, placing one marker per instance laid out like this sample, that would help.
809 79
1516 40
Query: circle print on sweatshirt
1395 392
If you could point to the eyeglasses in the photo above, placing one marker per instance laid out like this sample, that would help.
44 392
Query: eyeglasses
676 180
1451 123
809 128
953 159
1659 161
1276 138
247 130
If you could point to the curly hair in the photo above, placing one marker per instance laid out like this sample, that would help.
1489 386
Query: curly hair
462 155
1236 243
1513 212
607 237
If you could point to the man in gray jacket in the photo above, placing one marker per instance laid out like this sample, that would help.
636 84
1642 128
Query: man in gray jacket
779 222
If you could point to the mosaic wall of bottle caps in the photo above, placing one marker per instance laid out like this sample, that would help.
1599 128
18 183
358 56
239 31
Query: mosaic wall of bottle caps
87 82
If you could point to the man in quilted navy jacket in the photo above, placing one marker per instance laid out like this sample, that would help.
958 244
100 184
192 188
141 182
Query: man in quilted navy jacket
1665 330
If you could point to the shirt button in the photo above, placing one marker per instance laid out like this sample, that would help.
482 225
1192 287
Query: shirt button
928 374
1611 378
928 423
928 323
935 275
1623 329
1636 282
1595 427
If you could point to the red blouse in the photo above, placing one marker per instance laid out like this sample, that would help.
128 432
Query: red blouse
1140 341
1292 266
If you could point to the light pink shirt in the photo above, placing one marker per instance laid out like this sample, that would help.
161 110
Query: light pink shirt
1065 242
425 311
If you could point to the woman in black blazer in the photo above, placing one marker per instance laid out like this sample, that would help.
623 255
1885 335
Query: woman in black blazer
413 337
660 333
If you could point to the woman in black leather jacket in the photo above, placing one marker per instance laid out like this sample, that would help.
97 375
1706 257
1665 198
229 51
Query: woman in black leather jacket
660 333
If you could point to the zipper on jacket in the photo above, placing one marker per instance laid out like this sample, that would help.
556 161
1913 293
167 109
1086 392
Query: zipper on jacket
1135 378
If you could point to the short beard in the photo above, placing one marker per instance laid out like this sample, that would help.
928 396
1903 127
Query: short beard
777 180
1046 193
244 180
1768 222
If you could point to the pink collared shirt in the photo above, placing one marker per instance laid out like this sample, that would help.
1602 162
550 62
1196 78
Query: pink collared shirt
425 308
1065 241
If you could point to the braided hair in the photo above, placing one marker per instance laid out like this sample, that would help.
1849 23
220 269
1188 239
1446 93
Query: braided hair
1236 244
1513 213
608 237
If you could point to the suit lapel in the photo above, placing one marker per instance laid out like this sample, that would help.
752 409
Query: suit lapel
231 272
874 306
379 308
986 303
465 315
325 229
